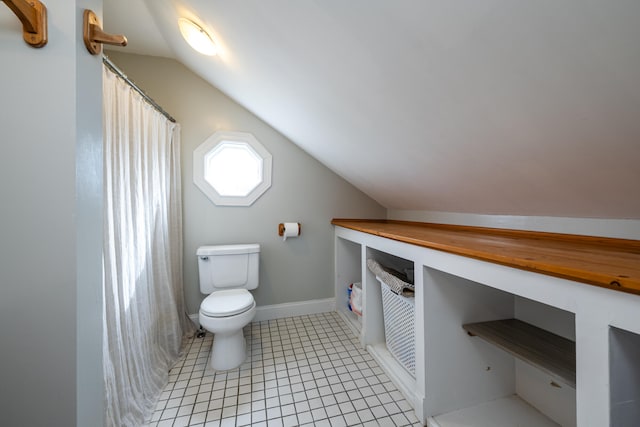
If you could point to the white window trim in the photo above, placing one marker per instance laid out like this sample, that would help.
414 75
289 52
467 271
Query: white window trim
211 143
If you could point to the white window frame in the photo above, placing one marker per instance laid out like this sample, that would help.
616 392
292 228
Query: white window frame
210 144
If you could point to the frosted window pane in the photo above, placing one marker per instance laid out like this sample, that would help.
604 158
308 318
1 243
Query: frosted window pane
233 169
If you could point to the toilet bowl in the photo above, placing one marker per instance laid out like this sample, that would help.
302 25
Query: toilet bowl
225 314
227 273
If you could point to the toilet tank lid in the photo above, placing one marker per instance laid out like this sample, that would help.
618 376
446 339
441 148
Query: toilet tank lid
228 249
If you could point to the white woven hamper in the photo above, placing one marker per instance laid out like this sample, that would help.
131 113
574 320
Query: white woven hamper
399 319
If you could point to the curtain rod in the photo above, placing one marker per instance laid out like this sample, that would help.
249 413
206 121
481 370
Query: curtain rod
106 61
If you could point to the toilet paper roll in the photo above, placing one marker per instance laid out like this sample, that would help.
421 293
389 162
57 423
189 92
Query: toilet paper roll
291 229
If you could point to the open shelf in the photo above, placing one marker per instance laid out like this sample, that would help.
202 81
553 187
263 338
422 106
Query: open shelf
546 351
516 357
624 350
348 270
522 371
375 319
504 412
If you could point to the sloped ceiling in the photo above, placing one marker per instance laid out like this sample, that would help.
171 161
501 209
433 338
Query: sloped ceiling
498 107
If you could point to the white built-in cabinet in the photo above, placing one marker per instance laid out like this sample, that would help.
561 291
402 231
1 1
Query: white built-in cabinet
477 367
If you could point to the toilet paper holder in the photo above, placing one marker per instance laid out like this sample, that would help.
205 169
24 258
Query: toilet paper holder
281 229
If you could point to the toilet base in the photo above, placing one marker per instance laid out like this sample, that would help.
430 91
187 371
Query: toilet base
228 351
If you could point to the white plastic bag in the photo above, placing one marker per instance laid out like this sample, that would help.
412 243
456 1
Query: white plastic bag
356 298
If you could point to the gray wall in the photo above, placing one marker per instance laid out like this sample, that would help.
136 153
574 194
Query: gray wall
302 190
50 232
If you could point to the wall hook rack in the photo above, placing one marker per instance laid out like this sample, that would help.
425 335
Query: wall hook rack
33 15
94 37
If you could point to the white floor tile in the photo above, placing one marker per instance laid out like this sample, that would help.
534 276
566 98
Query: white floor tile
307 370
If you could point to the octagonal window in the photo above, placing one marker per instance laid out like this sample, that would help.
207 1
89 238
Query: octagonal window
232 168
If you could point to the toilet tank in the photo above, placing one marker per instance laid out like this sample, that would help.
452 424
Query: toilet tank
228 267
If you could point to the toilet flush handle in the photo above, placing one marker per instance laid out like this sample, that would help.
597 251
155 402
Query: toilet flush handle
204 258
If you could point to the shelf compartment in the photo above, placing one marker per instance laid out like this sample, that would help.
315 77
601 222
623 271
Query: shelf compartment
544 350
496 413
348 262
624 350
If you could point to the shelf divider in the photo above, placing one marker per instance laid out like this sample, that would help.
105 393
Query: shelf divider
542 349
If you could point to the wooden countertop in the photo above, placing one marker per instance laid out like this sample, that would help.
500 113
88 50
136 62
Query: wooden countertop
606 262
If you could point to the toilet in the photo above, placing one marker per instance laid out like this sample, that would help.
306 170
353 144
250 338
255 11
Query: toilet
227 273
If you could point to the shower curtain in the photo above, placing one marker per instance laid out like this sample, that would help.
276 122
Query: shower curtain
144 312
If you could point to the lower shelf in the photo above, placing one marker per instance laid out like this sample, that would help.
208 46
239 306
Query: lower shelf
551 353
506 412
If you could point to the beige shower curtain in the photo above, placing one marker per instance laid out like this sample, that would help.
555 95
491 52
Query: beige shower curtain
144 311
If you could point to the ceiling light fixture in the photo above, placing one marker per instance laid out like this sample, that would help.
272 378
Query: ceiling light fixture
197 37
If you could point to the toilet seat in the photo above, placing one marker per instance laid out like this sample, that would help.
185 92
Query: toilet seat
227 303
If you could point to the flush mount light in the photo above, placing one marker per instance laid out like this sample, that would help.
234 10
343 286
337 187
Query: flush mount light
197 37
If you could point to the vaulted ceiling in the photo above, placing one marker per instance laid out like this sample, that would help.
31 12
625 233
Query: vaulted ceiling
494 106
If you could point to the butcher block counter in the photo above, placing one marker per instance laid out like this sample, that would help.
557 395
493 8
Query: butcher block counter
606 262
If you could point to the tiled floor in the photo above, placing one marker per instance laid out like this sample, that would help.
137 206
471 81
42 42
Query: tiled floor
306 370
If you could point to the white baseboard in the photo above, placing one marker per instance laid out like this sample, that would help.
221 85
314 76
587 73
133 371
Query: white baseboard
288 309
194 318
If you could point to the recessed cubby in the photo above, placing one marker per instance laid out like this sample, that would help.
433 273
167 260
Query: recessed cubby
348 269
495 358
375 321
624 371
398 352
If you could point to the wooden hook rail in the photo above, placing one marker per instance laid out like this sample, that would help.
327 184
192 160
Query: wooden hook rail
33 15
94 37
